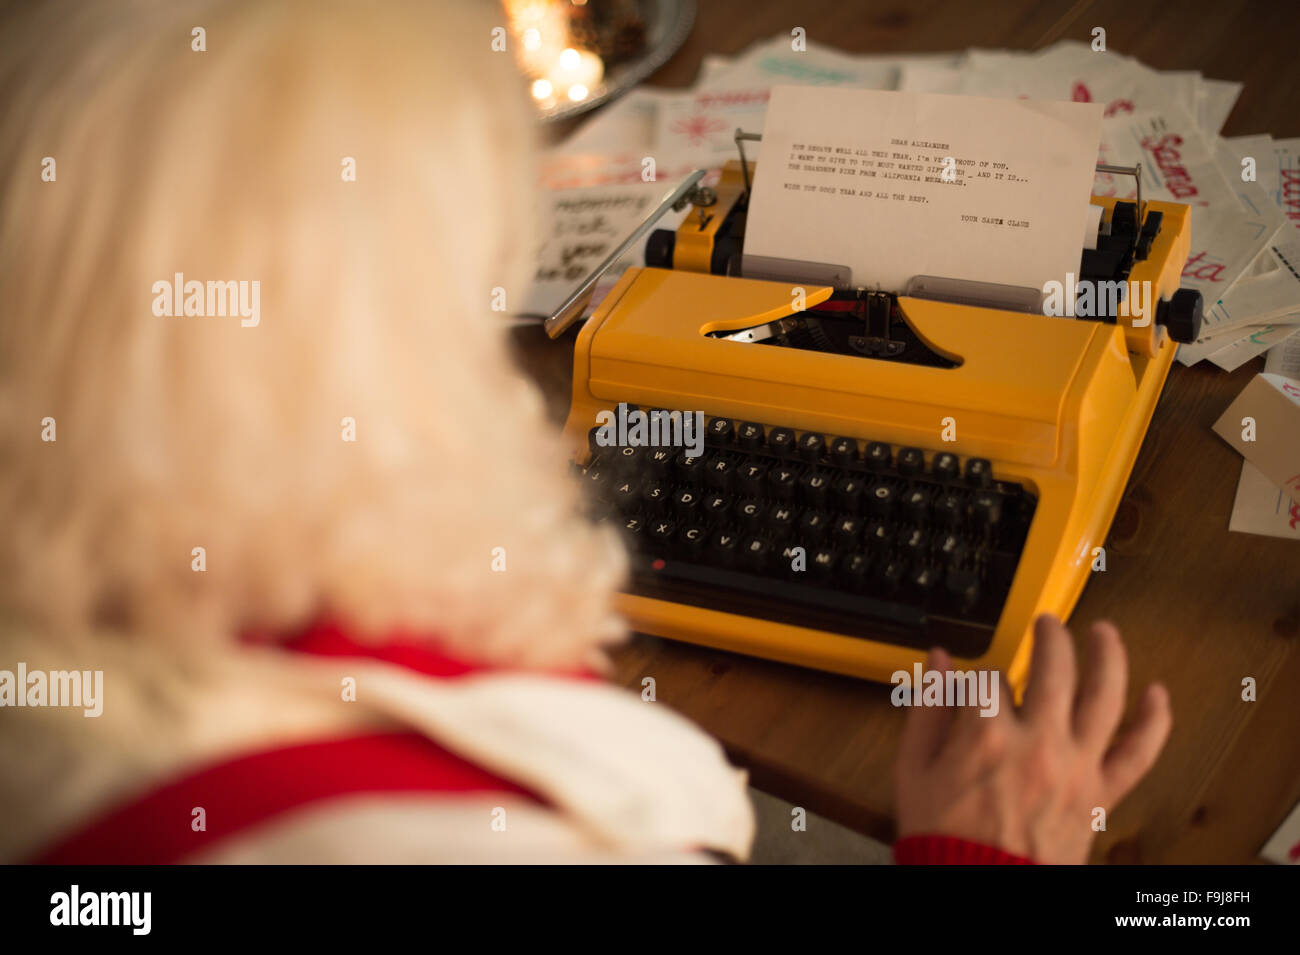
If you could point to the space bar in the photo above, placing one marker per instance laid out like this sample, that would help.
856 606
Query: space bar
774 588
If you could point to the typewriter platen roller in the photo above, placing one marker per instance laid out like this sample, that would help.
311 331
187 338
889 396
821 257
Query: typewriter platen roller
947 459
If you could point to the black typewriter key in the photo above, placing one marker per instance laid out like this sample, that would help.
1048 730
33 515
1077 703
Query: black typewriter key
963 589
846 530
911 461
916 504
750 476
979 472
655 496
891 575
718 471
719 431
780 520
628 459
722 547
658 461
950 549
811 446
716 507
633 526
686 502
625 494
880 500
821 563
749 514
755 553
688 468
922 580
878 538
661 533
948 509
781 482
812 527
598 481
814 487
945 466
594 445
790 563
985 508
854 570
781 442
846 493
749 435
844 451
692 538
878 455
912 543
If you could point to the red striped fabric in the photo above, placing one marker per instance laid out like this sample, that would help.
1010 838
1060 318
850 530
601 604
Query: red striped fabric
155 827
950 850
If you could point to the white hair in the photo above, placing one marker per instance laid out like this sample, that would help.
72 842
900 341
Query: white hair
174 433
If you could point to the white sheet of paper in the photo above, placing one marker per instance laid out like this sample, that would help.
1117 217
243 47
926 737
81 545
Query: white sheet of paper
1260 339
1068 71
773 61
1092 226
1217 99
580 227
855 178
625 125
1207 345
930 78
1284 359
1262 507
1259 148
1287 191
702 125
1267 298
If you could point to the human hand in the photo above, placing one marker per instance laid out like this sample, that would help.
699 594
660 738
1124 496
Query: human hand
1028 781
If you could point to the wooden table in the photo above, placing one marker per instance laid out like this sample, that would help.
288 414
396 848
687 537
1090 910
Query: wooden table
1200 608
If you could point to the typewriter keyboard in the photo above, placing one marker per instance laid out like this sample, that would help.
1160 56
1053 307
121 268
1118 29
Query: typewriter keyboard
898 544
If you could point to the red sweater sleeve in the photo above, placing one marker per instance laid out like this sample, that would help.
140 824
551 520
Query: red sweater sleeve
949 850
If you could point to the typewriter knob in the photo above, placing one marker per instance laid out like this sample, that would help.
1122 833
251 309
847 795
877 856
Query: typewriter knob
1181 315
659 248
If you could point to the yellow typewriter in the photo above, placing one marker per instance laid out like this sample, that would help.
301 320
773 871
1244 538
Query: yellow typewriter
948 466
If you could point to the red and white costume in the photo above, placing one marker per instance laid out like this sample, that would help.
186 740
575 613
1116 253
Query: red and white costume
435 761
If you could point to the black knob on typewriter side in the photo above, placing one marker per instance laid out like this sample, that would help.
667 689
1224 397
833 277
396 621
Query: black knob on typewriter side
659 248
1124 219
1181 315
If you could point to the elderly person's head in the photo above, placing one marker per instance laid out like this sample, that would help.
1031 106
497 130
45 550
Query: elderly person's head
249 370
